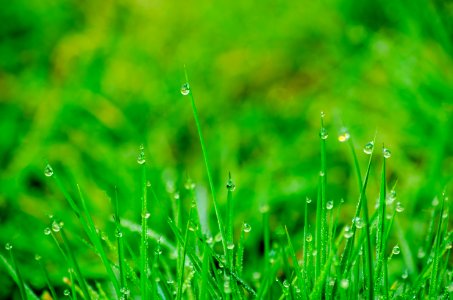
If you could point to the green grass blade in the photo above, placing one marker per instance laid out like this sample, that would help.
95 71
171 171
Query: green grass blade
18 276
299 274
144 229
380 232
206 161
13 274
433 291
120 247
46 277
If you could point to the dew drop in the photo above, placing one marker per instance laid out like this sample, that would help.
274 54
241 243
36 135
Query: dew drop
405 274
286 284
386 152
193 227
148 183
209 240
344 283
246 227
8 246
230 186
321 173
421 253
38 257
230 246
329 205
48 171
323 114
368 149
141 156
125 291
176 195
226 287
309 238
264 208
185 89
308 200
66 292
435 201
391 197
396 250
118 233
189 184
218 238
55 226
323 134
399 207
359 222
344 135
146 215
348 232
47 231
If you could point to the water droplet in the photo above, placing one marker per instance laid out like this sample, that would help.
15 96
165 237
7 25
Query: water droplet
230 186
47 231
368 149
55 226
359 223
386 152
185 89
329 205
450 287
396 250
246 227
48 171
308 200
445 215
192 226
309 238
264 208
148 183
146 215
226 287
189 184
399 207
67 292
391 197
118 233
125 291
158 251
230 246
176 195
448 246
141 156
38 257
435 201
314 253
405 274
323 134
348 233
421 253
209 240
321 173
323 114
286 284
8 246
344 135
218 238
344 283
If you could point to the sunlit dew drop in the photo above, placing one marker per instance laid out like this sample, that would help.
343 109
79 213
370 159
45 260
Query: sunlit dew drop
226 287
48 171
189 184
308 200
146 215
396 250
148 183
38 257
176 195
323 114
405 274
344 283
118 233
185 89
321 173
8 246
386 152
329 205
193 227
230 246
399 207
435 201
344 135
309 237
218 238
209 240
66 292
323 134
368 149
246 227
47 231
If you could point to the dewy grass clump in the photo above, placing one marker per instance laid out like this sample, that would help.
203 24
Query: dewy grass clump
333 261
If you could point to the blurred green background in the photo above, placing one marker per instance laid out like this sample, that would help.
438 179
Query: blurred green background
84 83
